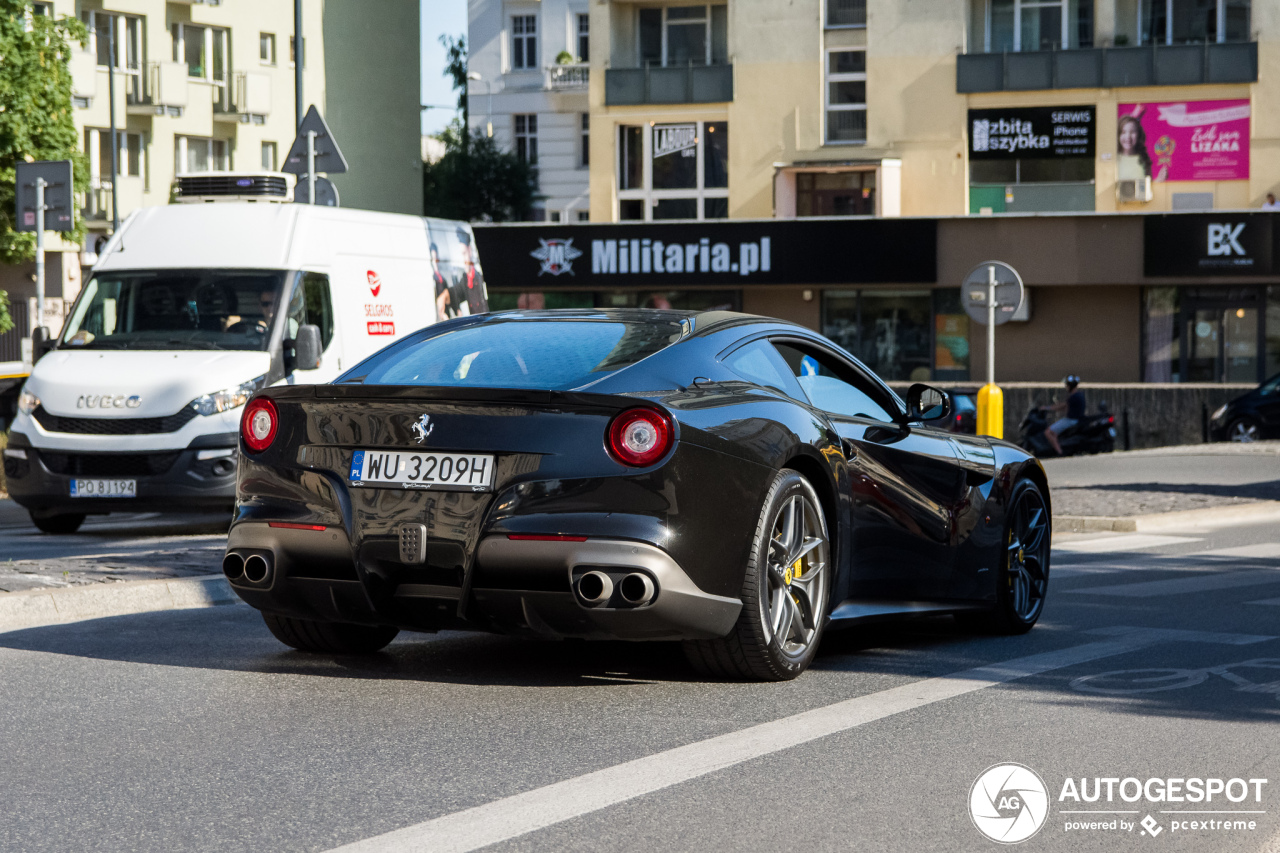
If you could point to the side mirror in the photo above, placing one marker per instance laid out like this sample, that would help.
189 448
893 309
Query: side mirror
306 348
926 403
41 342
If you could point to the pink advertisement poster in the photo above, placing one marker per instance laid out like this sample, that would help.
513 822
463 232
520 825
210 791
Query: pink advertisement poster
1186 141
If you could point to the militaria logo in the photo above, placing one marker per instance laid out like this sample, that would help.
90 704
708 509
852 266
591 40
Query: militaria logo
557 256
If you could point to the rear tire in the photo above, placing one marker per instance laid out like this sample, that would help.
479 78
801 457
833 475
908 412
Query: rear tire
335 638
785 589
59 525
1023 582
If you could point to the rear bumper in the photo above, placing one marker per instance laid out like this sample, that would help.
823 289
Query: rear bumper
189 483
518 586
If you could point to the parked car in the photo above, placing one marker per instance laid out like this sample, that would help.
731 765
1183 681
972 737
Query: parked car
1249 417
734 482
964 414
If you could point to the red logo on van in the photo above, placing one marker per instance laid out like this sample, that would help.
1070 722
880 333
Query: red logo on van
382 328
375 283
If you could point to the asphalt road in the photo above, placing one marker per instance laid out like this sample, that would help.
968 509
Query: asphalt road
194 730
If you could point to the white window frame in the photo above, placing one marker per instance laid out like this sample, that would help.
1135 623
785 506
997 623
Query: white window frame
99 177
1168 20
519 46
705 20
848 77
1018 6
269 39
650 196
826 20
210 34
274 163
130 39
530 137
182 143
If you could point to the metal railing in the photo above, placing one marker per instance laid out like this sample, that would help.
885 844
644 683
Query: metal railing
1106 67
681 84
576 75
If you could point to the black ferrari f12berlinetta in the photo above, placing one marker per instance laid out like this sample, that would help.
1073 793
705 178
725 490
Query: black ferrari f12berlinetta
734 482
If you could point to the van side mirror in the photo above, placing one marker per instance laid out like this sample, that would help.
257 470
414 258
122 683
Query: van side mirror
41 342
306 348
926 403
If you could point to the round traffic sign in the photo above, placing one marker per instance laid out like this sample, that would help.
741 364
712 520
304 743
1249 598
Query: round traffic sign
1009 291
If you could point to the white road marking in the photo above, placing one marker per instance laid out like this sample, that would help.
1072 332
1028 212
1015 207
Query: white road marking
520 814
1182 586
1260 550
1121 542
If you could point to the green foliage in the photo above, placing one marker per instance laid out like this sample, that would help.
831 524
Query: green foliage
6 320
36 120
455 65
475 180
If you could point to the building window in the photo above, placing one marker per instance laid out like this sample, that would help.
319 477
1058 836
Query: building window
97 145
269 156
684 35
1018 25
846 96
673 171
902 335
129 31
267 48
1193 21
584 138
203 50
846 13
838 194
293 53
193 154
527 138
584 216
44 10
584 43
524 42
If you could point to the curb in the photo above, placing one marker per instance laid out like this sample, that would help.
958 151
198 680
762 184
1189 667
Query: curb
37 608
1217 516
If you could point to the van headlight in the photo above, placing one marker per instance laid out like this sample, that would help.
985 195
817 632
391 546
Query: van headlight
228 398
28 402
1222 410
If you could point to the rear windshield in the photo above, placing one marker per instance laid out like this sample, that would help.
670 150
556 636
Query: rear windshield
553 355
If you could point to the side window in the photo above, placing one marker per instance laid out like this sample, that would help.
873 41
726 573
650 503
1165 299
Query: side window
834 389
760 363
310 304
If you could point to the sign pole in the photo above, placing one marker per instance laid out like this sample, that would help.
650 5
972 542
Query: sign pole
40 185
991 325
311 166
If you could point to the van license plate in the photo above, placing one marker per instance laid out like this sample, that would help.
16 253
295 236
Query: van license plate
104 488
396 469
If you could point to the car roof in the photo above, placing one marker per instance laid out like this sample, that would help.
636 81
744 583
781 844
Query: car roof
699 322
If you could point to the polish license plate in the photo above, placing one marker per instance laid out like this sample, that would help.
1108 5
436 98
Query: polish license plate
459 472
104 488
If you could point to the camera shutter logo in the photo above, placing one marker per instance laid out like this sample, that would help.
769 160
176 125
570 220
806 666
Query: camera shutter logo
1009 803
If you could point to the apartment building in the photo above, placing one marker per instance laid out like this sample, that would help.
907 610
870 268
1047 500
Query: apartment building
846 162
530 63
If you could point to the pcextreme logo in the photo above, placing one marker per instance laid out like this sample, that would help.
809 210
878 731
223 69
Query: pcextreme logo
1009 803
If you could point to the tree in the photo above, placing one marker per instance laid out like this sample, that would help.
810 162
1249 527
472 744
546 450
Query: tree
475 180
36 121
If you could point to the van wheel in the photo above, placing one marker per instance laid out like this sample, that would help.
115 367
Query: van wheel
58 524
334 638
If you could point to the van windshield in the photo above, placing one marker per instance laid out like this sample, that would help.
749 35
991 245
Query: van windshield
176 309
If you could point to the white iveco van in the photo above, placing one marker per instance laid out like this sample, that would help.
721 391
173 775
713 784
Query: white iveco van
193 307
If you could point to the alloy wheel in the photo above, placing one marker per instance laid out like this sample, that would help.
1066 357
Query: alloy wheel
791 600
1028 554
1244 430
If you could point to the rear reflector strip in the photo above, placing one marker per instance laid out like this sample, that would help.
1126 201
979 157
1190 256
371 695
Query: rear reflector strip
530 537
289 526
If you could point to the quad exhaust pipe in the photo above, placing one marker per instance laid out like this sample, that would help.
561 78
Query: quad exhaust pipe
247 568
596 589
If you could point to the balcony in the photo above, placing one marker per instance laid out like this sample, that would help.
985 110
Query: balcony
688 84
246 100
161 89
567 78
1107 67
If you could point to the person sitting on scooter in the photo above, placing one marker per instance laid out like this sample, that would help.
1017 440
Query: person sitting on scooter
1074 406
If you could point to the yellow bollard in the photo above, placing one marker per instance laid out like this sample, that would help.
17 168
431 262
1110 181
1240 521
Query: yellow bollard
991 411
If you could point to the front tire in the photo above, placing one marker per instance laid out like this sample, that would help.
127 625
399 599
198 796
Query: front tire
1023 582
1244 430
785 589
59 525
335 638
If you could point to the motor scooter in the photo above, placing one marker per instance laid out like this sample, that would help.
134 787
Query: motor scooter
1092 434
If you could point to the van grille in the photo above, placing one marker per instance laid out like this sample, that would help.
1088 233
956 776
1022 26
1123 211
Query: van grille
109 464
113 426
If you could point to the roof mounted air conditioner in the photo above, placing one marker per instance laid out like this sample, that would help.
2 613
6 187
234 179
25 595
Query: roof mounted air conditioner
233 186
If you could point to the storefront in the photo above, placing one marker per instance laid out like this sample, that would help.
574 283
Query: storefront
1181 298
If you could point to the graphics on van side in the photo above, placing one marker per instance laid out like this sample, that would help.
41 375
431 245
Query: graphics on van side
375 283
378 309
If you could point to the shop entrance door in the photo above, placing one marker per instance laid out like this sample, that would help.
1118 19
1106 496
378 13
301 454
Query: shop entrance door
1224 336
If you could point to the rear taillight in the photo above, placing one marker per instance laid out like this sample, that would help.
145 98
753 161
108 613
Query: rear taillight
258 426
640 437
1111 419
